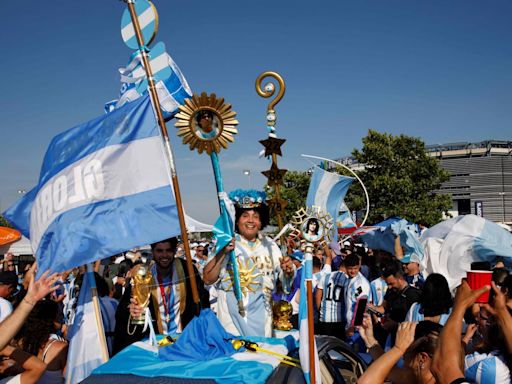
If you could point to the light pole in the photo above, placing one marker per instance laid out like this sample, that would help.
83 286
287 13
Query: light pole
247 172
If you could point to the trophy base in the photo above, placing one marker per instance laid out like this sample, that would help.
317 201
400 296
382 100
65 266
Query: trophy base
138 321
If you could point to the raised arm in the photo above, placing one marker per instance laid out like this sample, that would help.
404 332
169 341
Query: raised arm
211 270
448 356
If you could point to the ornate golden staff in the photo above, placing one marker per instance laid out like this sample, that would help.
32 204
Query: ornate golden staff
272 144
208 124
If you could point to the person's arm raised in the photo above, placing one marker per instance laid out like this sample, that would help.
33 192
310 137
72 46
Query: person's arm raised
211 270
36 291
448 356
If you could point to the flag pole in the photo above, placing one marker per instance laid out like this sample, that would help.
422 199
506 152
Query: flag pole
170 156
97 312
308 277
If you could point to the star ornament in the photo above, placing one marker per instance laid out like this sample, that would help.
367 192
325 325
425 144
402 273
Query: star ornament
274 175
272 145
278 206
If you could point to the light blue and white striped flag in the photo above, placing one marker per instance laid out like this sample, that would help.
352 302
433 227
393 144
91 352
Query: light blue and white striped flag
303 324
171 86
104 188
86 339
327 191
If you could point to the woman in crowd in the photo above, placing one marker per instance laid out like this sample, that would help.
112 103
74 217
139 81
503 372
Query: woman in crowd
38 337
435 302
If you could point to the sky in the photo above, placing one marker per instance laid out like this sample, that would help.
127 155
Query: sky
438 70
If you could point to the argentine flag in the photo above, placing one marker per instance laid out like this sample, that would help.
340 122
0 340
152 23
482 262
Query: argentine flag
104 188
85 352
303 324
327 191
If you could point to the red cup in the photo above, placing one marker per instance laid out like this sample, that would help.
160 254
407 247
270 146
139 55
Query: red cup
476 280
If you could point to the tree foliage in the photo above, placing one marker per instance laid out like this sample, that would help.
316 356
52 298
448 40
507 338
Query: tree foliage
4 222
401 179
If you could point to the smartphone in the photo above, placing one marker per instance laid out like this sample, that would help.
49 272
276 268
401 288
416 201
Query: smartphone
375 312
359 311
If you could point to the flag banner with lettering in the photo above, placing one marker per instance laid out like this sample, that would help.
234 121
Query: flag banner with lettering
104 188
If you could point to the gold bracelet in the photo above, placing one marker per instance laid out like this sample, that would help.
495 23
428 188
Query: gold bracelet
28 302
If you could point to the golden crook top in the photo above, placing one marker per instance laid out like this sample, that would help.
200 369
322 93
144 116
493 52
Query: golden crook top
269 88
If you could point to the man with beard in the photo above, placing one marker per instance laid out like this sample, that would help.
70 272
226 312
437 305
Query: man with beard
171 303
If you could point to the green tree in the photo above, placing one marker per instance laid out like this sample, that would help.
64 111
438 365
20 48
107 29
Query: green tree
401 179
4 222
294 192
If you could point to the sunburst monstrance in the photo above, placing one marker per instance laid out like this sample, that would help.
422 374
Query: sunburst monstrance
206 123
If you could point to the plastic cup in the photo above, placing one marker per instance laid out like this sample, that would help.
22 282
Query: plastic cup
476 280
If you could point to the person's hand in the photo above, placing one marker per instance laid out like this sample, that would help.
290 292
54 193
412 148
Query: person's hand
366 331
405 335
470 331
42 287
499 303
135 309
231 246
465 296
286 265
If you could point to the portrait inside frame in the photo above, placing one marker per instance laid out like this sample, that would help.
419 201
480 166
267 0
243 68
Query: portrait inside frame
206 124
312 230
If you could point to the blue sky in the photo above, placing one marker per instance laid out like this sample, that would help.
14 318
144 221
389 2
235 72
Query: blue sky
438 70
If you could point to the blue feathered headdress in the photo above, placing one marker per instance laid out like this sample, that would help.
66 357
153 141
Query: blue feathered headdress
247 198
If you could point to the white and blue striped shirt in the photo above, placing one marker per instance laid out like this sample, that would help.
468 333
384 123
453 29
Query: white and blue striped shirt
332 309
415 314
488 368
357 286
378 288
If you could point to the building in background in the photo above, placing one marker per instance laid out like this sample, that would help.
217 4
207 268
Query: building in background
481 177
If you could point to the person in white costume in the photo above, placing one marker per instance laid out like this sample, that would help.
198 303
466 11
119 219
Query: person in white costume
260 264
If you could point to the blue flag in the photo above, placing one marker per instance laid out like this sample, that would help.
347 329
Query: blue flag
326 191
104 188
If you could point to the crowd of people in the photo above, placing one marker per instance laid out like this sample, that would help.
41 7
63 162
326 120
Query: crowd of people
414 330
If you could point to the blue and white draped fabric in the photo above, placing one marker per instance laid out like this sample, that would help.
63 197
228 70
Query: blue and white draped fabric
415 314
452 245
171 86
241 367
345 219
332 309
355 287
303 325
409 239
326 191
378 288
104 188
85 337
259 267
483 368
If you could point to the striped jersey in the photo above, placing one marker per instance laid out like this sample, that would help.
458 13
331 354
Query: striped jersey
488 368
415 314
332 309
378 288
355 287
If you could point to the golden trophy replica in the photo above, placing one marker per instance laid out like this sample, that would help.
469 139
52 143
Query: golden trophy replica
282 311
141 289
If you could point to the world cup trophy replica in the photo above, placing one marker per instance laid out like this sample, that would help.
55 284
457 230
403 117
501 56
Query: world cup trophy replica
142 279
282 311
